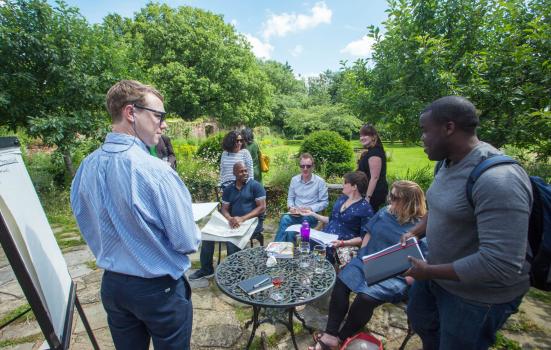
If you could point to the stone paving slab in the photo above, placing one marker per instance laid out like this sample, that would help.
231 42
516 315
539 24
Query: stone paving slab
219 320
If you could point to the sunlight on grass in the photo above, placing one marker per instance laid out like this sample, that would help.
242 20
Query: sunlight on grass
401 158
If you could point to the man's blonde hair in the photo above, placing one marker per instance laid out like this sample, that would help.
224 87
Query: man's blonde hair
410 205
127 92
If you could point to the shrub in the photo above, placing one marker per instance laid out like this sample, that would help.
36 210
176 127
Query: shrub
201 179
281 173
211 149
331 150
183 150
423 177
178 128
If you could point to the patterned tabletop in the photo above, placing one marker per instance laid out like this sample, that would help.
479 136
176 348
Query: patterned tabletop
300 285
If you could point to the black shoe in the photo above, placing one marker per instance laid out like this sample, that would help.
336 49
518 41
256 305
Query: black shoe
197 275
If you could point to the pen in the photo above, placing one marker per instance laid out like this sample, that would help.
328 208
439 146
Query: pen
260 283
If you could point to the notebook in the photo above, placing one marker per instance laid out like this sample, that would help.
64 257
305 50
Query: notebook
390 261
256 284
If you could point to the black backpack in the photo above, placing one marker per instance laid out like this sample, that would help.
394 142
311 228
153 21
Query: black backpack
539 229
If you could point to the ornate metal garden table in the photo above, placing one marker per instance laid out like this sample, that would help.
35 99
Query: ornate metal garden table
300 286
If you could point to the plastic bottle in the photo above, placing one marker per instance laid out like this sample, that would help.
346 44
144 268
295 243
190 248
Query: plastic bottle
305 231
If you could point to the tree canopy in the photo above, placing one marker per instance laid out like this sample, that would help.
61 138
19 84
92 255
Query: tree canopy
55 69
493 52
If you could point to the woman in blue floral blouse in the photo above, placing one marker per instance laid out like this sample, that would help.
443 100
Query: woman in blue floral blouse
350 215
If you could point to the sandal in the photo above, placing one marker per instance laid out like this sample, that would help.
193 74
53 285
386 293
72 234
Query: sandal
317 340
317 336
322 345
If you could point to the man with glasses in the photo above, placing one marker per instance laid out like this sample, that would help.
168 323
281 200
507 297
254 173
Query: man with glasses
307 191
135 214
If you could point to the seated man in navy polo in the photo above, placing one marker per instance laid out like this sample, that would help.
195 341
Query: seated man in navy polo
307 191
242 200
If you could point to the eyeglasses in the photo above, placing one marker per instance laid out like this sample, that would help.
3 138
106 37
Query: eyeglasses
305 166
158 114
239 140
392 197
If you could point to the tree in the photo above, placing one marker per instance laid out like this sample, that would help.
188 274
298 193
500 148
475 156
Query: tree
303 121
200 63
55 72
493 52
289 92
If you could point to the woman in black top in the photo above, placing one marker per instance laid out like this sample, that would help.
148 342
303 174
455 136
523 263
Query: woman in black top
373 164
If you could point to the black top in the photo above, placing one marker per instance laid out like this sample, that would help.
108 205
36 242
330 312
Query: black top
381 188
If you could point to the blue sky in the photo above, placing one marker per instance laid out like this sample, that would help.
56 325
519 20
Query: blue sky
311 35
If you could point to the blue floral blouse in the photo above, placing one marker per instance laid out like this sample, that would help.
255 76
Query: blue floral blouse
352 222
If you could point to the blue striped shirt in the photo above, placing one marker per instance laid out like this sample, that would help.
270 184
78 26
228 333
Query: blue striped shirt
133 210
311 194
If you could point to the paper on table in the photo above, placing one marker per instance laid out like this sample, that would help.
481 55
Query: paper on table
200 210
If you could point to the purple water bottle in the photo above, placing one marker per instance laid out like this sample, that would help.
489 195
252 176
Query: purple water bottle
305 231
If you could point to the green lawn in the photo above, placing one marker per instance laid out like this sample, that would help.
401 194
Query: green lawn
400 157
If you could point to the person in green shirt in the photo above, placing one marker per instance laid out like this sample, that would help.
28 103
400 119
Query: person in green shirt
164 151
254 150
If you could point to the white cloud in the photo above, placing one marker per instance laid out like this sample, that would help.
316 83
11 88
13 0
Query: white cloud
260 49
285 23
234 22
304 77
359 48
297 50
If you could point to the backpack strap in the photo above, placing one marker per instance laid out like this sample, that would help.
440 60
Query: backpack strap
481 168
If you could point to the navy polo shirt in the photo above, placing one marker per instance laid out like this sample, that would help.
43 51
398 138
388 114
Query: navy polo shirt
243 201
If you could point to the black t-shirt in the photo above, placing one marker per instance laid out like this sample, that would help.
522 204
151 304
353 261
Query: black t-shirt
363 165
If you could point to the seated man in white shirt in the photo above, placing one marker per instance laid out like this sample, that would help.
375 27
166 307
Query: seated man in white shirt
306 191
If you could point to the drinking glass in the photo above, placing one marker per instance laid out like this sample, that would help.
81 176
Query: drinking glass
276 294
304 250
319 253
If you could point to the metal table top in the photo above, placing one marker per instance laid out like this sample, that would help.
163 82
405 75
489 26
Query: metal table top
300 285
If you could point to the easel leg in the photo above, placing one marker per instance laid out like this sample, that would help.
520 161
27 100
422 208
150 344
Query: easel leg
86 324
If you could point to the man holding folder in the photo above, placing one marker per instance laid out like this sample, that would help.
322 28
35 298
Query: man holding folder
476 273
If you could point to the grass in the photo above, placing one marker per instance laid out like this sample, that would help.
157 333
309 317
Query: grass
16 312
16 341
274 339
540 295
401 158
243 313
504 343
521 324
91 264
